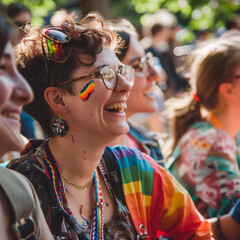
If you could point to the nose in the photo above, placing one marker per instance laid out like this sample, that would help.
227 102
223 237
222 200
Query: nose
22 92
153 74
123 85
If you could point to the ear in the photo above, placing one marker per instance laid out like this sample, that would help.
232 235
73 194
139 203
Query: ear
54 98
227 91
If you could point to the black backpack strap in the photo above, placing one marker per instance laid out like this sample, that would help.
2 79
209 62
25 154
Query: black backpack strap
16 193
114 175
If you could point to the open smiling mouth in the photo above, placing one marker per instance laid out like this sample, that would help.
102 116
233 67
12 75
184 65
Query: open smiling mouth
116 107
12 115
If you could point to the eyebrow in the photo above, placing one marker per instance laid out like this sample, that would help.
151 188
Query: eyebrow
135 59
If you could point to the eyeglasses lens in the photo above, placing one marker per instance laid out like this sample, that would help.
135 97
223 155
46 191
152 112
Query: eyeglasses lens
145 62
109 75
128 73
57 35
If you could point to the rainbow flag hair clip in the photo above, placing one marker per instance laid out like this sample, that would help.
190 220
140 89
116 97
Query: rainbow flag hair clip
87 91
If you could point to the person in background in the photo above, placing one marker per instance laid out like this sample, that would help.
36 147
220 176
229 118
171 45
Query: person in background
14 92
81 89
204 156
142 98
162 30
22 16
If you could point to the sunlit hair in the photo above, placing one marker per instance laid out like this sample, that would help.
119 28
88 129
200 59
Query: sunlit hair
212 65
125 31
87 40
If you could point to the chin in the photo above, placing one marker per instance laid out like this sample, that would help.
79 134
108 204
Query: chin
13 142
123 129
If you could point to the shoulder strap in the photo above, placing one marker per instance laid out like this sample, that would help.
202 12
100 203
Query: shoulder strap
114 175
17 194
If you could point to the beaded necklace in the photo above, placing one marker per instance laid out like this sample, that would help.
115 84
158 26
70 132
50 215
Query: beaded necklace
54 174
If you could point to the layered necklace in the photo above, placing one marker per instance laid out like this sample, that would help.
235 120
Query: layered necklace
55 178
79 187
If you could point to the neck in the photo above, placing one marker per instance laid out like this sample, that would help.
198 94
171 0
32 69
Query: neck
121 140
76 160
227 121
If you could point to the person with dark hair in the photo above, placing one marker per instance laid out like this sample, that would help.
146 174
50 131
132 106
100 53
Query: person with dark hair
21 16
81 89
205 153
14 92
162 30
142 98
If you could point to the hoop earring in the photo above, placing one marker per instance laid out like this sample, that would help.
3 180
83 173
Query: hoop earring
59 126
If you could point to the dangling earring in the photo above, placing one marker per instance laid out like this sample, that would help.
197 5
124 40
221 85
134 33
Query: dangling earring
59 126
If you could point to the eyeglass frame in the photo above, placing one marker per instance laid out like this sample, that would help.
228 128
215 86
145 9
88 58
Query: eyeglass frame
97 73
144 59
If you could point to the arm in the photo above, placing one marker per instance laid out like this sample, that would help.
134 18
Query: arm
225 227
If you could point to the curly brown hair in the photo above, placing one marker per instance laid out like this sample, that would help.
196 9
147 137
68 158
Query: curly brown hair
87 39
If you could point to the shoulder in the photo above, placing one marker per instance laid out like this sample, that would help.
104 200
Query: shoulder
204 132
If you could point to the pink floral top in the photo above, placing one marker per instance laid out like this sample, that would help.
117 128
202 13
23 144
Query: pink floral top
205 162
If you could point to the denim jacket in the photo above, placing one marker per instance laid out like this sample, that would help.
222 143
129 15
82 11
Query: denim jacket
149 141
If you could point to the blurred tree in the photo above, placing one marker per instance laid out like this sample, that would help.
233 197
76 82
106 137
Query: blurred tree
197 15
39 8
102 6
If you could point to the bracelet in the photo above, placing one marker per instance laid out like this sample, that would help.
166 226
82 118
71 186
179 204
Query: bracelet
221 235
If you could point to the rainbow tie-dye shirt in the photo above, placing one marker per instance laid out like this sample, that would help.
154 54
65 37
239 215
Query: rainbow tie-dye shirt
154 198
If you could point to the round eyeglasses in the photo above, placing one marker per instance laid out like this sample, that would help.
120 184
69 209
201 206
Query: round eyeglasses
144 64
109 76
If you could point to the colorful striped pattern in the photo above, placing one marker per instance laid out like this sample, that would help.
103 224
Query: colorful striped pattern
55 50
87 91
137 176
154 198
55 179
97 224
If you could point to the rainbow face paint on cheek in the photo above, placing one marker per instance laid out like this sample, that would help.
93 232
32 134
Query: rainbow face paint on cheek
87 91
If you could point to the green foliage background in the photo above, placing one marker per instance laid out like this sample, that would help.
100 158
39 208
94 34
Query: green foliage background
39 8
195 14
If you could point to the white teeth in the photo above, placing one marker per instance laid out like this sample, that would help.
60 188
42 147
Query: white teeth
117 106
11 115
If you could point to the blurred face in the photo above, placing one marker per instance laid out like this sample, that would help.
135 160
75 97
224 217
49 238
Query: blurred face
20 20
142 97
14 92
94 110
